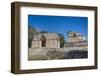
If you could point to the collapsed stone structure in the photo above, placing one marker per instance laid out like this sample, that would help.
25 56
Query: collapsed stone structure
76 40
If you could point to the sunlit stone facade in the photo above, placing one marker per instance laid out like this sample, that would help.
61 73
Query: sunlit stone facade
46 40
76 39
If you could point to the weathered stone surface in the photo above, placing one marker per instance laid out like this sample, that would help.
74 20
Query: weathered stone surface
47 46
52 53
48 40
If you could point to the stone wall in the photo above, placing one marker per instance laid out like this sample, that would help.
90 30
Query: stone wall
49 44
55 53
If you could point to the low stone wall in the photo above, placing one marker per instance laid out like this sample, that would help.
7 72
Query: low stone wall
43 51
50 53
81 48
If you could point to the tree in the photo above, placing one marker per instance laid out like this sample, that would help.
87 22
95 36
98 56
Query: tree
43 32
31 32
62 40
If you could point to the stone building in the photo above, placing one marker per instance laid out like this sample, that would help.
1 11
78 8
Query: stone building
76 39
46 40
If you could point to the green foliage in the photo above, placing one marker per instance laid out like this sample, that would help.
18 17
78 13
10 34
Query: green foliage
31 32
62 40
43 32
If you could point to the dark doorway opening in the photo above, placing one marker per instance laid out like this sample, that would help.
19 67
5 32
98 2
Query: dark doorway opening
43 41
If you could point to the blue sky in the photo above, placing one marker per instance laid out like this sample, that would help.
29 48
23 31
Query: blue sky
59 24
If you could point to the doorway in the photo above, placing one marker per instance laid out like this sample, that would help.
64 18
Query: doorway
43 41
